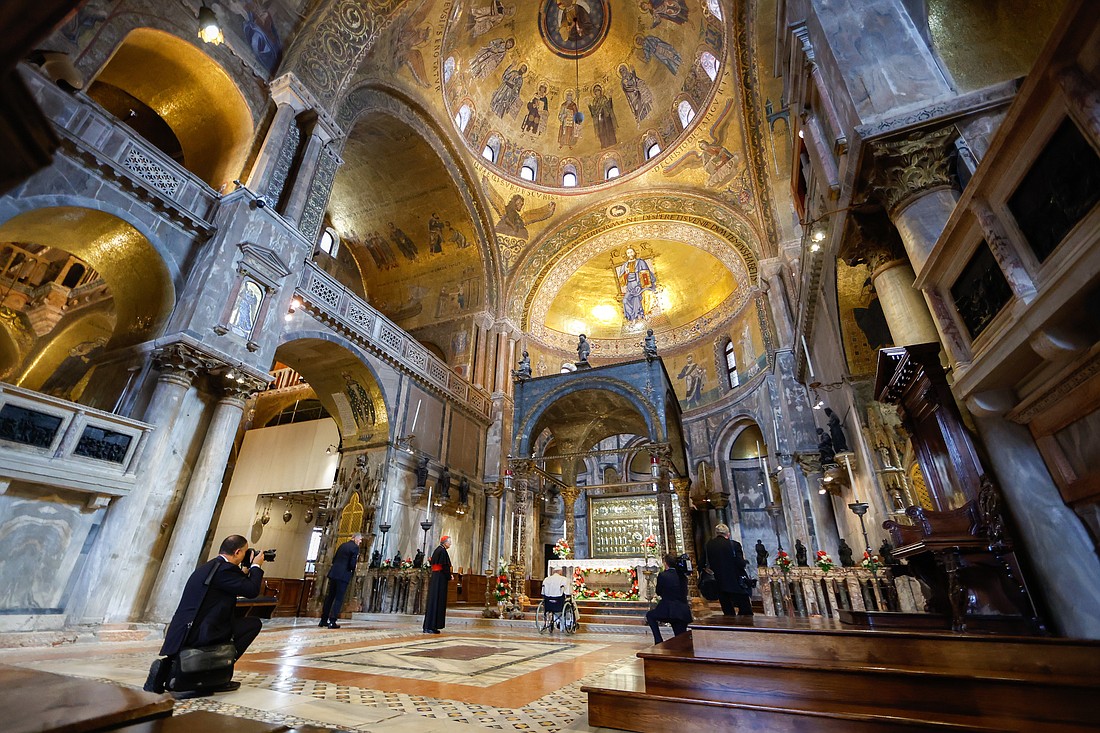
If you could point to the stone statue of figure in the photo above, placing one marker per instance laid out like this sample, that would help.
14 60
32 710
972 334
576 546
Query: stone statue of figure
650 348
421 472
524 371
375 559
418 561
825 448
800 554
761 554
464 490
844 552
836 432
397 559
886 551
444 484
583 350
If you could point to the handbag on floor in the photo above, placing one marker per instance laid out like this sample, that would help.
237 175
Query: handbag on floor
708 585
200 668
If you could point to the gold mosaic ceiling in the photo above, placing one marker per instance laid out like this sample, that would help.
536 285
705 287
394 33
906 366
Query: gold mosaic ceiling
511 73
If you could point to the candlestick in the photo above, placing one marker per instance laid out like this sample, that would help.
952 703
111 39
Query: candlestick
429 503
809 364
416 416
492 558
664 528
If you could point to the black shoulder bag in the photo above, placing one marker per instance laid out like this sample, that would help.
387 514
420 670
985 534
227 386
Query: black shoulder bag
197 668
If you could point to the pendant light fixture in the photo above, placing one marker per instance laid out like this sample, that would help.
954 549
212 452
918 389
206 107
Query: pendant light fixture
578 116
209 29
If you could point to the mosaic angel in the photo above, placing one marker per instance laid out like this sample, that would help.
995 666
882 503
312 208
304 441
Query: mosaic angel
719 163
513 222
653 47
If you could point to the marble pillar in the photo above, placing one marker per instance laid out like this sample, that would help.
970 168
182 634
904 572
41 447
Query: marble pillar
1055 538
569 498
199 503
268 159
771 271
903 306
114 577
303 180
482 355
522 506
490 541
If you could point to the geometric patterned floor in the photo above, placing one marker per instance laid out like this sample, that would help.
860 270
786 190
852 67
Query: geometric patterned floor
385 678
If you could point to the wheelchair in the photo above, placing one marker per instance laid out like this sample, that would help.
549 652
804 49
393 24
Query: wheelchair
557 612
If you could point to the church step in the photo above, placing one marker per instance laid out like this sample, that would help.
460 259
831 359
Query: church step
823 642
639 710
1017 703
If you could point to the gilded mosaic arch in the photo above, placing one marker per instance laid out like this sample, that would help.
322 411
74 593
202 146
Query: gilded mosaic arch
370 98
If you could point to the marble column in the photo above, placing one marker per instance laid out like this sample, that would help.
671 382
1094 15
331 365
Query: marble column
115 580
500 366
509 385
522 506
569 497
1055 537
912 179
490 542
771 272
482 355
683 498
268 159
303 179
199 503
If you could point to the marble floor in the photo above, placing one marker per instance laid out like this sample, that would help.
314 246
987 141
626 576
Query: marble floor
385 677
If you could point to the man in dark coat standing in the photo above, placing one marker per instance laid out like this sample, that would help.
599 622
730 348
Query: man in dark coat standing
339 576
726 560
435 613
205 613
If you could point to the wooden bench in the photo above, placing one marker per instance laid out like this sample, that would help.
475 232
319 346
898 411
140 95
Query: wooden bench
36 701
261 607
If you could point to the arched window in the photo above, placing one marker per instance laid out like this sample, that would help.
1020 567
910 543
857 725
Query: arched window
530 168
687 113
329 242
715 7
709 64
448 69
569 176
463 117
491 151
731 365
652 147
611 172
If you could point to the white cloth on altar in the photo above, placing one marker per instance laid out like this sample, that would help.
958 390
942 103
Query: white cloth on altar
623 564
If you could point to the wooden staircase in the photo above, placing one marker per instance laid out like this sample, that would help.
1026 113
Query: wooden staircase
779 675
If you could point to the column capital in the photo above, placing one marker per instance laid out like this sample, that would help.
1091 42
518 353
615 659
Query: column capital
877 242
908 167
180 362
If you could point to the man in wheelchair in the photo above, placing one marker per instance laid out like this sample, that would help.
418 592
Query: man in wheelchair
554 589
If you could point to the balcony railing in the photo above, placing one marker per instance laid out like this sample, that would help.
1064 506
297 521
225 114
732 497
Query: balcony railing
85 124
46 440
331 302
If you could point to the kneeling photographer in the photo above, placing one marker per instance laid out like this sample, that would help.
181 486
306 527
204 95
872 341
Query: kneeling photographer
204 639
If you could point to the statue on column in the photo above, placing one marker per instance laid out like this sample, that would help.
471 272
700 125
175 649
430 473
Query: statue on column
800 554
418 561
524 371
421 472
825 448
836 432
583 350
444 484
886 551
844 552
464 490
375 559
650 346
761 554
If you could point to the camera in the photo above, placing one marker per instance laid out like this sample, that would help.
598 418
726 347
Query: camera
250 555
684 563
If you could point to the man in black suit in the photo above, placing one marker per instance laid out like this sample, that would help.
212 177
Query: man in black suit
205 613
339 576
726 559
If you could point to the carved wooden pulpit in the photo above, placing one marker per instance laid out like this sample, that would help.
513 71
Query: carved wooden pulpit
960 546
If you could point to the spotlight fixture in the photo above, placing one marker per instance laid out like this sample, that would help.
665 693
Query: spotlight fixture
295 304
209 29
332 449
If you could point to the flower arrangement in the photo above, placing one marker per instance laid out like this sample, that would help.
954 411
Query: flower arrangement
783 561
823 561
407 563
581 589
503 589
871 562
562 550
387 564
649 546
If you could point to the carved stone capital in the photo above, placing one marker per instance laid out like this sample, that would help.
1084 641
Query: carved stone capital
180 363
909 167
240 388
877 242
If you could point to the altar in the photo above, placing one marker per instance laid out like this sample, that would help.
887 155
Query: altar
605 579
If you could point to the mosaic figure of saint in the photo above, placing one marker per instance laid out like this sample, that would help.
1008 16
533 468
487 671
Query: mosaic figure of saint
435 234
638 94
603 116
533 117
637 285
653 47
490 56
487 17
406 245
674 11
575 22
568 132
362 406
247 307
506 97
513 221
694 375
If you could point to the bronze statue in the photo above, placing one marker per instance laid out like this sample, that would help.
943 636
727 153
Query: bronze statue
421 472
844 552
418 561
886 551
800 554
650 347
836 432
761 555
444 484
583 350
464 490
375 559
825 448
524 371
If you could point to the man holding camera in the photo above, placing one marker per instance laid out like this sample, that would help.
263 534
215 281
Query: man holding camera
205 613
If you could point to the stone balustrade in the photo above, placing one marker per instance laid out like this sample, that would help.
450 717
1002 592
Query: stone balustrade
810 591
54 442
390 590
334 304
123 154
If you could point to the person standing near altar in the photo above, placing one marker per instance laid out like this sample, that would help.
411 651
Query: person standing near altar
726 559
435 612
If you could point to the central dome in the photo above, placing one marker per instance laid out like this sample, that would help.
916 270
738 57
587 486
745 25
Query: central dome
575 93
